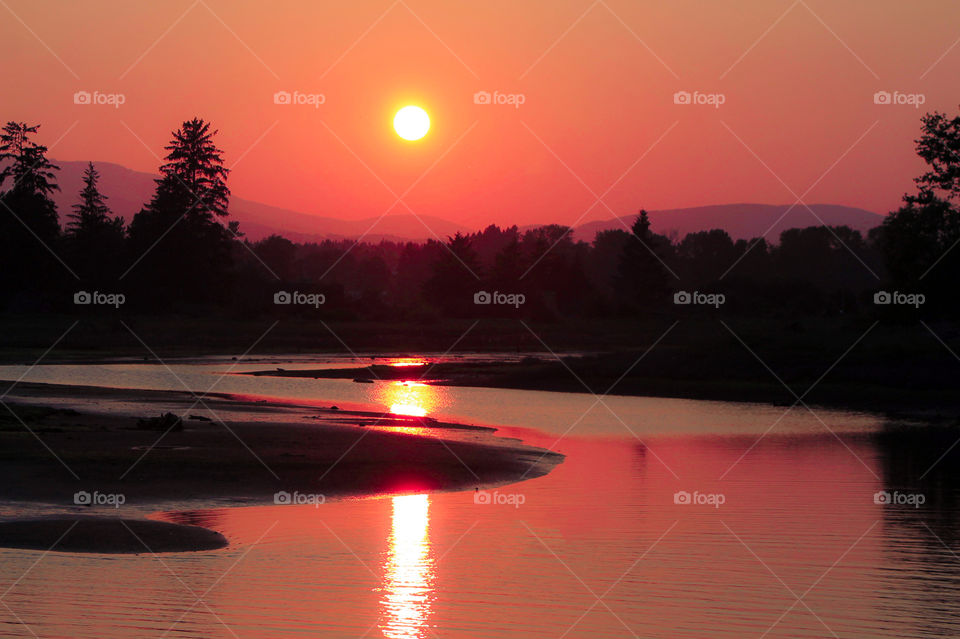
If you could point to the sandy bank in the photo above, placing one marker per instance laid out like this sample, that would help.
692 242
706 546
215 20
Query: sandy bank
106 535
50 449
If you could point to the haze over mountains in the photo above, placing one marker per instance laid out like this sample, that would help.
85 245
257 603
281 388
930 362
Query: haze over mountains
129 190
743 221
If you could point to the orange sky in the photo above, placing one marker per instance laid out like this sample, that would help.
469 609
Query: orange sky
797 78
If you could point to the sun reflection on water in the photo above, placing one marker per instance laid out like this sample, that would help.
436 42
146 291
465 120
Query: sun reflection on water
411 410
407 362
413 399
408 574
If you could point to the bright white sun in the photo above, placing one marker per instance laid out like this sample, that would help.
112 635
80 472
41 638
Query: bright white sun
411 123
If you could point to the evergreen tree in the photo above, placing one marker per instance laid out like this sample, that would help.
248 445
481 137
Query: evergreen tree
32 180
95 238
29 228
195 164
91 214
183 247
509 266
454 277
642 278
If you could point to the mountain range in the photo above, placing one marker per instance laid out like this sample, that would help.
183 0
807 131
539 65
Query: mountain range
129 190
743 221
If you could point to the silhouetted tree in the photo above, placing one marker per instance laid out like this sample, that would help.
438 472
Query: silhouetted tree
455 277
829 257
183 248
754 260
919 240
491 241
95 239
642 280
603 261
32 179
509 265
279 254
939 146
29 228
373 281
706 255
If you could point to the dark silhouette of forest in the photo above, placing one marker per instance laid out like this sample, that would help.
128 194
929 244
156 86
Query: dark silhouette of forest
181 254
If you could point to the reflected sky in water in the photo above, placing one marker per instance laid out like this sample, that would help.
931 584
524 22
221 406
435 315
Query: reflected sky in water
542 410
546 411
799 515
799 519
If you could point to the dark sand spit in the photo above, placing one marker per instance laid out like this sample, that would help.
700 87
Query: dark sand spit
60 440
49 451
108 535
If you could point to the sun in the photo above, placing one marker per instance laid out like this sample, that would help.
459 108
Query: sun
411 122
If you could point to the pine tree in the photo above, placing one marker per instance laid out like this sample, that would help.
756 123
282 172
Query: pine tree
195 164
183 246
95 238
32 181
454 277
91 214
29 227
642 278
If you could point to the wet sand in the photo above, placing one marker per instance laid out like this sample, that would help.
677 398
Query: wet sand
52 448
106 535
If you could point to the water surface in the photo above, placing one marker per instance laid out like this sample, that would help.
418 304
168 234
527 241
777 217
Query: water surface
789 540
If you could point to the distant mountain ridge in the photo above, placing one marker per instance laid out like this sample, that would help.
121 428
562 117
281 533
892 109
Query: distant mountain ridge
129 190
742 221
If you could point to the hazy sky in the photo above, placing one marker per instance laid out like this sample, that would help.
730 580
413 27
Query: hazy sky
796 79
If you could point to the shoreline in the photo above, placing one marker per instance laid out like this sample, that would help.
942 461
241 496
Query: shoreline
60 450
848 362
551 376
106 535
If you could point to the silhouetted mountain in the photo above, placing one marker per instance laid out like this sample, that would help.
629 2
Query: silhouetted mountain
741 221
129 190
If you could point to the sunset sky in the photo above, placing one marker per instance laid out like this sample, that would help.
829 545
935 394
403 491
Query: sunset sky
598 80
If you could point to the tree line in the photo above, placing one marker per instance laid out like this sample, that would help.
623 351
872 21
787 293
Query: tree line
181 254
